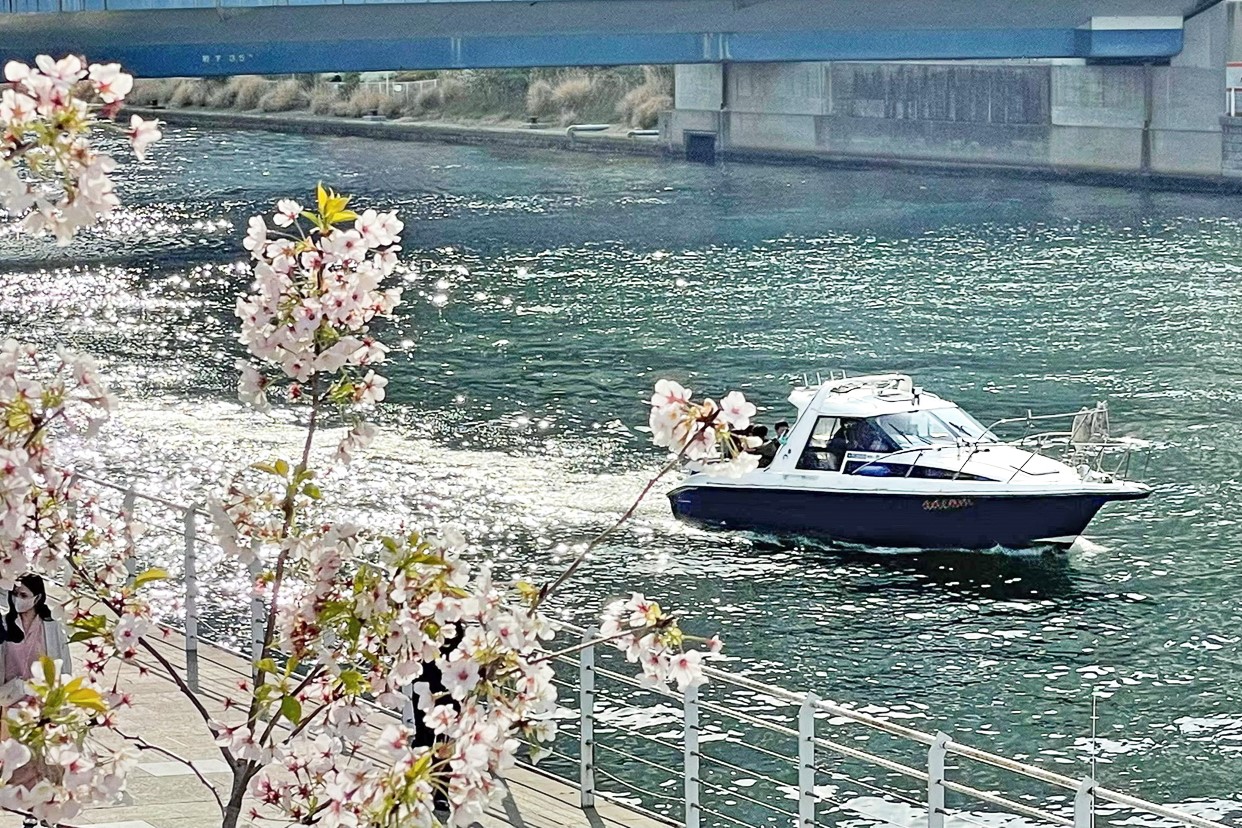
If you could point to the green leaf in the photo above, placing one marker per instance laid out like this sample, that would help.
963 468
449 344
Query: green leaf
352 681
82 635
93 623
420 767
291 709
264 467
266 665
88 698
150 575
282 468
312 491
321 196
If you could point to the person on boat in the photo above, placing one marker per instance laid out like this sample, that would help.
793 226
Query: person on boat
862 435
766 449
732 448
840 443
782 432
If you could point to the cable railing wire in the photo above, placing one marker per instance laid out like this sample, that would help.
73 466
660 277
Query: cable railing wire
739 795
802 734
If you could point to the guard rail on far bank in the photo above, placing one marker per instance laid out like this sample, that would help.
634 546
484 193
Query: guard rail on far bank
735 752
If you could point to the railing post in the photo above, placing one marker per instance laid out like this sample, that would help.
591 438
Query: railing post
71 512
586 721
191 601
258 612
692 756
935 780
127 506
1084 803
806 762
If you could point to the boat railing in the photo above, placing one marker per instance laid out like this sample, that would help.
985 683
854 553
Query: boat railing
1086 442
736 751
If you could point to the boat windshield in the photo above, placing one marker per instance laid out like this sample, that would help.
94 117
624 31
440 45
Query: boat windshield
928 428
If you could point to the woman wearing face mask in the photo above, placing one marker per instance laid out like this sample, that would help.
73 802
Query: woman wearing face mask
38 634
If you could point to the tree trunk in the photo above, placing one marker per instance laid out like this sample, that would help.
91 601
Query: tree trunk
233 808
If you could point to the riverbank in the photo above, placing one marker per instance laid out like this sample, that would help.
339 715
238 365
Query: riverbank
616 141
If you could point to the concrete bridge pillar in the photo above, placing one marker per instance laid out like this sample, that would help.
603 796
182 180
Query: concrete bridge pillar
700 102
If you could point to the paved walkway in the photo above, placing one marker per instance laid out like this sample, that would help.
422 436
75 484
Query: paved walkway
165 794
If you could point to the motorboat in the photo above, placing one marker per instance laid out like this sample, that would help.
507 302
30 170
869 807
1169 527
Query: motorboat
876 460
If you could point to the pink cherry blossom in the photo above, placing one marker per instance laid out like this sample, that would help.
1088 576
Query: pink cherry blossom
42 116
287 212
142 133
111 84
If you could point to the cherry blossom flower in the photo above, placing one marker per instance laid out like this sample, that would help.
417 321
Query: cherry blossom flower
287 212
703 432
51 178
735 411
112 85
649 636
371 389
142 133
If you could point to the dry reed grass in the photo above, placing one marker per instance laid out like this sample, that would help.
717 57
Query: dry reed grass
285 96
248 91
367 102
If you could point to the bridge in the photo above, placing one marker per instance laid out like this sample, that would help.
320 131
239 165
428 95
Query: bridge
168 38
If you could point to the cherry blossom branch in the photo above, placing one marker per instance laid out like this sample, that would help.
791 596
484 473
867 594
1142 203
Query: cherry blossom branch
288 508
663 623
187 692
271 725
143 744
173 675
29 815
306 720
551 588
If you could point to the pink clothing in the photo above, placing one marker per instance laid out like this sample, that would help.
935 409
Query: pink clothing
20 657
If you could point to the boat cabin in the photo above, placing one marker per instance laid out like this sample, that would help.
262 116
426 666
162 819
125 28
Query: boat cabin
879 426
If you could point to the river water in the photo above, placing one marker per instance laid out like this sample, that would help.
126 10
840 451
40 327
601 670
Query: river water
547 292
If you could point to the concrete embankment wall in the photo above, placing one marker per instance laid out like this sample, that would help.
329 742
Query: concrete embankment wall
1142 119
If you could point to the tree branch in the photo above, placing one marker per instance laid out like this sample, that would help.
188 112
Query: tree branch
271 725
150 648
188 693
549 589
143 744
582 645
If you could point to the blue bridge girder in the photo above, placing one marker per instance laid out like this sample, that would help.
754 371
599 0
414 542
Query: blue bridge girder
168 38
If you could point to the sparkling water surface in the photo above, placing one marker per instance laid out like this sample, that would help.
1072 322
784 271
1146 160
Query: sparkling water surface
546 293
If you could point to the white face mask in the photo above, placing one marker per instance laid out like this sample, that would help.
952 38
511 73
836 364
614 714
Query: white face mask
23 604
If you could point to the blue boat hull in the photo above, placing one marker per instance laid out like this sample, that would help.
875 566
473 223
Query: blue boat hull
895 520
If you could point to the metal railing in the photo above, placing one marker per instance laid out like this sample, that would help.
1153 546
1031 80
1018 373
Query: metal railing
734 752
